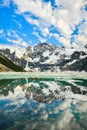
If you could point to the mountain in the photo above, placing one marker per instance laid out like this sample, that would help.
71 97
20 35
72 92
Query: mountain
49 57
8 65
78 62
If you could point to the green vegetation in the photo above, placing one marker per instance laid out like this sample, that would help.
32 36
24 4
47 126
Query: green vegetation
4 61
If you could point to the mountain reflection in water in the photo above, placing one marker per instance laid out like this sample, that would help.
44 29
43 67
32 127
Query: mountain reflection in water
42 104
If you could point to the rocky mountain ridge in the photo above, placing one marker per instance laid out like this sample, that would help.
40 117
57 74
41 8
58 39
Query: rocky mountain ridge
7 65
49 57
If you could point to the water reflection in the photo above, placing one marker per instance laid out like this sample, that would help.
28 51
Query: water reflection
41 104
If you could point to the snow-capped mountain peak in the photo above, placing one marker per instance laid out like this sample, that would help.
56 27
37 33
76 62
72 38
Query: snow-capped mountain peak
47 57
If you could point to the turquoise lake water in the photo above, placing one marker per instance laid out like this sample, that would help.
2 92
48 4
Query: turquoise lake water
43 103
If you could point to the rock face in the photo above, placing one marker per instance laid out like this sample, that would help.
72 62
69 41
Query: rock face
48 57
79 65
8 65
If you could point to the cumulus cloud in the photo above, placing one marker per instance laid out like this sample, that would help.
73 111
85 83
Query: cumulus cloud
65 17
43 11
38 8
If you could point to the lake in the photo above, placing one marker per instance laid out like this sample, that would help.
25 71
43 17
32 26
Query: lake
43 102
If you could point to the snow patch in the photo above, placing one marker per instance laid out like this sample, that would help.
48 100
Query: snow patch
18 50
52 59
46 53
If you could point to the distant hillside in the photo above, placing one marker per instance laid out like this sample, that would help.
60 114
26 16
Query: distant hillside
8 65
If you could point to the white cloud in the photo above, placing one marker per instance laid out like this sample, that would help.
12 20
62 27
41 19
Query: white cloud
81 38
83 29
65 41
1 31
39 25
5 3
75 45
70 12
18 23
63 26
43 11
32 21
38 8
39 37
45 31
64 19
16 39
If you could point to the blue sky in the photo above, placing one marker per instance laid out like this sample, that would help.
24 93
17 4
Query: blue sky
29 22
